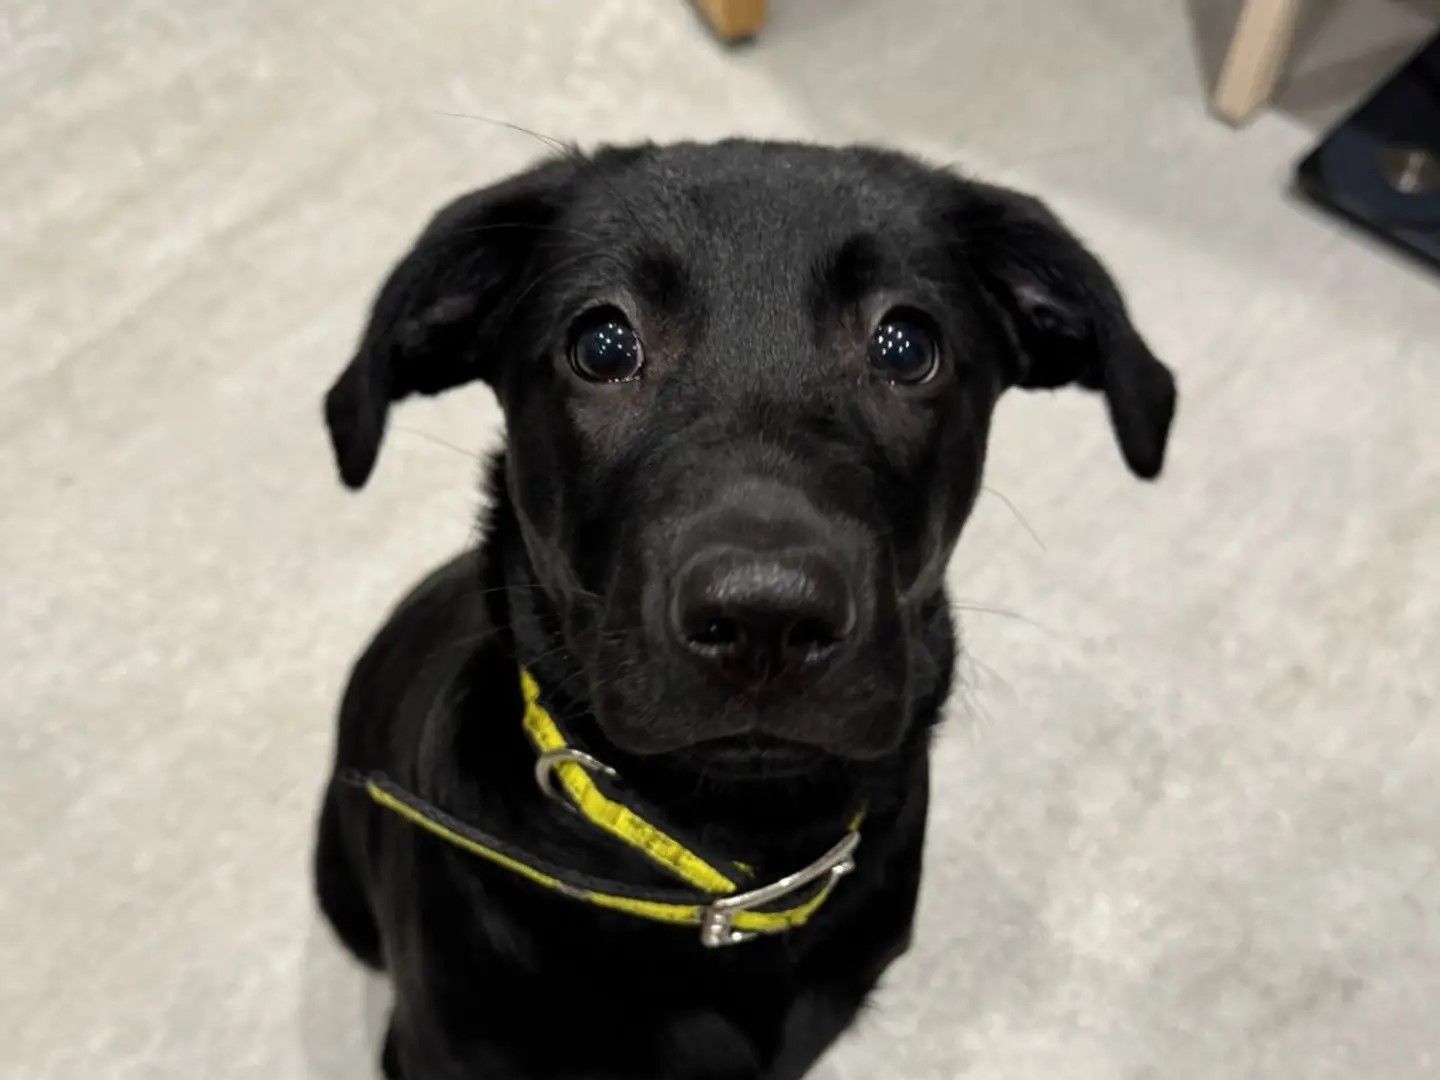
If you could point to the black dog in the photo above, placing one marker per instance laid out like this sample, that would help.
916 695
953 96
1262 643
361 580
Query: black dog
747 390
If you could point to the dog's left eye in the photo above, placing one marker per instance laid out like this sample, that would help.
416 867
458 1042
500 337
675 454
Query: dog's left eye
605 348
903 348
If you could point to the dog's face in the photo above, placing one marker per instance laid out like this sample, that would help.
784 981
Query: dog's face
747 390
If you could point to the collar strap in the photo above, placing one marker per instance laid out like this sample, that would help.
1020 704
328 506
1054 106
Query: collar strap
592 790
717 895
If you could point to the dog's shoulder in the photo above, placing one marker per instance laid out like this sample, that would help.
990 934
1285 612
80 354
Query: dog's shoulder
423 647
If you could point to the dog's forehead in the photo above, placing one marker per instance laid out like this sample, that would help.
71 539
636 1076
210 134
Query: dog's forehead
749 202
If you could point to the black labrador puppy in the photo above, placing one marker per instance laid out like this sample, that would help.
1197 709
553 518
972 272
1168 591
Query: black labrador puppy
638 789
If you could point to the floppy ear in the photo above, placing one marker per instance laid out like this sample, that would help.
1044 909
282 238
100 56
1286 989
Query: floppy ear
1068 318
439 317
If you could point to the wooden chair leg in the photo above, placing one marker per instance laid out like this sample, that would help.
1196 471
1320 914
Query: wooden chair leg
733 20
1257 53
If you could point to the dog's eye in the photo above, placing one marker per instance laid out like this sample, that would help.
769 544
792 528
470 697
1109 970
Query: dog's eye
903 348
604 347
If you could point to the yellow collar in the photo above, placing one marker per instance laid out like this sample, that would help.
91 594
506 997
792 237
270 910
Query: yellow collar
712 897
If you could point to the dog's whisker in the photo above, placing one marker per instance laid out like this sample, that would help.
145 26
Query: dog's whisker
547 274
463 641
438 441
1015 511
512 587
982 609
989 671
974 711
527 226
565 149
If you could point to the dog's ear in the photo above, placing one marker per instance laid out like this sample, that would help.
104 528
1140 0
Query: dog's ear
439 316
1068 318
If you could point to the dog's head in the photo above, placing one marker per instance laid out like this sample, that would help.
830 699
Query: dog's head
747 390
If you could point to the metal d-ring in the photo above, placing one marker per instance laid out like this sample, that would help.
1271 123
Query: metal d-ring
550 760
717 926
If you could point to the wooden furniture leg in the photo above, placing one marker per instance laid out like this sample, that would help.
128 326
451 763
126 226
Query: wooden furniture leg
1257 52
733 20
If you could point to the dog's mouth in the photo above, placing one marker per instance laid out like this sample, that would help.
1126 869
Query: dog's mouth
753 755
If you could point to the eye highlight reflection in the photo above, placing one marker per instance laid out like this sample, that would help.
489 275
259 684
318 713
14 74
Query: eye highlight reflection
605 348
903 348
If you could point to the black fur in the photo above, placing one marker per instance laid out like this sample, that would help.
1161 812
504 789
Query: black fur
753 274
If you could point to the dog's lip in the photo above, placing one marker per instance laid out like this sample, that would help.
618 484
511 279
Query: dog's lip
754 754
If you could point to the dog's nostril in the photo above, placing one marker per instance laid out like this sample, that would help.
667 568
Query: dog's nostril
808 638
717 632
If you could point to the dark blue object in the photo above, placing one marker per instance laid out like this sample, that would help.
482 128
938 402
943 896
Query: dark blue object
1381 166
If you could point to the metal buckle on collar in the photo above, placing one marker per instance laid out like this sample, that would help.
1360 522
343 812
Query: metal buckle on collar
546 764
717 918
717 923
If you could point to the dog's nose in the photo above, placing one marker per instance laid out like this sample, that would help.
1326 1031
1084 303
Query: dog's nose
757 617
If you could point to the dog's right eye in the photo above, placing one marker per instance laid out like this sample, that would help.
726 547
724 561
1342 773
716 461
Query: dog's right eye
903 348
605 348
